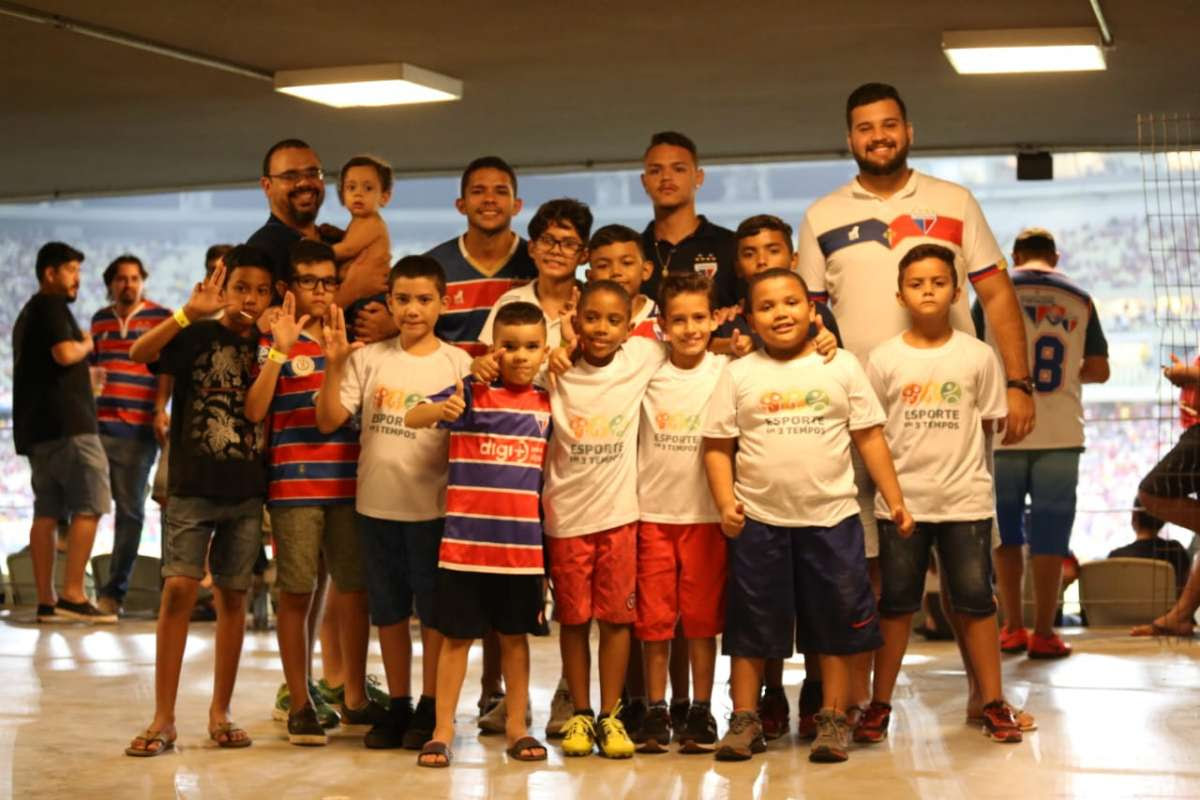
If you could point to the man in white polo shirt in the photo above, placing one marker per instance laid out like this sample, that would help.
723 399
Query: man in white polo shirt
852 240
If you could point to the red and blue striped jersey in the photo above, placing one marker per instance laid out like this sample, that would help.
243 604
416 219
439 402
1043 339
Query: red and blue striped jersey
497 448
472 293
125 408
306 467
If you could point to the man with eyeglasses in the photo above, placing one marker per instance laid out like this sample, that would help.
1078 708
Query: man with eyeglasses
294 183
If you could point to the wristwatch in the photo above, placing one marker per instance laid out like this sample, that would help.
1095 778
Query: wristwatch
1024 384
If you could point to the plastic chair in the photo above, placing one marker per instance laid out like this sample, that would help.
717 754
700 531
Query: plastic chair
144 592
1126 591
24 589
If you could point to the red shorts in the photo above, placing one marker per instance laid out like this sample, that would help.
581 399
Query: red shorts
595 576
681 576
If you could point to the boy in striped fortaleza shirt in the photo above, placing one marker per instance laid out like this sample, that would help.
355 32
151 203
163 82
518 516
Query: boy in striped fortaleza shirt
490 563
311 493
129 427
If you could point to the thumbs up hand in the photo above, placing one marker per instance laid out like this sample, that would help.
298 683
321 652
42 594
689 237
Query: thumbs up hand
740 345
824 341
454 405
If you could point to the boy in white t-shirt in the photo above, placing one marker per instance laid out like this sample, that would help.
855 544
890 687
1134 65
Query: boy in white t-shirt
796 562
615 254
941 388
681 552
591 507
402 474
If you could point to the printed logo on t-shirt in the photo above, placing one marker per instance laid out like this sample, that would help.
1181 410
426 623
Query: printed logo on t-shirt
932 404
216 426
303 366
1051 314
705 264
677 431
599 438
519 451
390 406
795 411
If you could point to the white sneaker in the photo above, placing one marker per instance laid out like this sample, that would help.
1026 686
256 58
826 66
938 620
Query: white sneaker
561 710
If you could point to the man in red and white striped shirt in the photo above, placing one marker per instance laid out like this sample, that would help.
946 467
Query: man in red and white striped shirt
125 409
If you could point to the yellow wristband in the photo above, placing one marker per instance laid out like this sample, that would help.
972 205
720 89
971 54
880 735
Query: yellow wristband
181 318
277 356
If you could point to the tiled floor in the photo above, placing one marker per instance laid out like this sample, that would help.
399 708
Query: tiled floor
1120 718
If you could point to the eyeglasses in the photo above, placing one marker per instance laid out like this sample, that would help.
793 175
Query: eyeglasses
309 282
297 175
569 247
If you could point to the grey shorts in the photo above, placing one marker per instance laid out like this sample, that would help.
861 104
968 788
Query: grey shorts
70 476
234 528
303 533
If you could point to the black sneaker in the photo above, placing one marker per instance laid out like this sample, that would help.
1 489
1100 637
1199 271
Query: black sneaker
679 713
389 734
699 733
370 713
655 733
82 612
633 716
421 725
45 614
304 729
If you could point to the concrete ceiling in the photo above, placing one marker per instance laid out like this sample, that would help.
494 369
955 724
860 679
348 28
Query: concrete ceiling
550 85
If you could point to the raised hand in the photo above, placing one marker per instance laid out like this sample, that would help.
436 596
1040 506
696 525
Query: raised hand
723 315
285 328
454 405
733 519
824 341
208 296
486 368
333 338
1176 373
740 345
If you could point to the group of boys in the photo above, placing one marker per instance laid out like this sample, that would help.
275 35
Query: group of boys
677 467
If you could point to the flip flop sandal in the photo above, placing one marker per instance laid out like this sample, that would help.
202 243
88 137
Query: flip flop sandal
228 729
434 748
1181 630
150 737
527 743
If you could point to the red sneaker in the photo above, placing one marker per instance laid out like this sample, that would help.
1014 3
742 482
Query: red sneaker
774 713
1000 723
806 726
1048 647
1013 640
873 723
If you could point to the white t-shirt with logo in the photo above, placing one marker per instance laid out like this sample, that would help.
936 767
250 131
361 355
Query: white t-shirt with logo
591 472
672 488
792 420
851 243
402 471
936 399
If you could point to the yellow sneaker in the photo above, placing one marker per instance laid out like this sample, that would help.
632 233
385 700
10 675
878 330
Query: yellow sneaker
579 736
612 740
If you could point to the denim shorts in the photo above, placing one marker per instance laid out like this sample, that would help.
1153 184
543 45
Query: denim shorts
964 556
70 476
810 582
234 528
401 564
1048 478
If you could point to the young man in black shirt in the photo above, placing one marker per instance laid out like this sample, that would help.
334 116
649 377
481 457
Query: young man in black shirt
217 479
678 239
54 424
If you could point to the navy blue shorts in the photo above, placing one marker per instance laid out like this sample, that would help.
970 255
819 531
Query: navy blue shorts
810 581
401 563
964 556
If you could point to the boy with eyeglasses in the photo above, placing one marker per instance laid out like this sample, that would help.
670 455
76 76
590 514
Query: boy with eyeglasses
310 495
